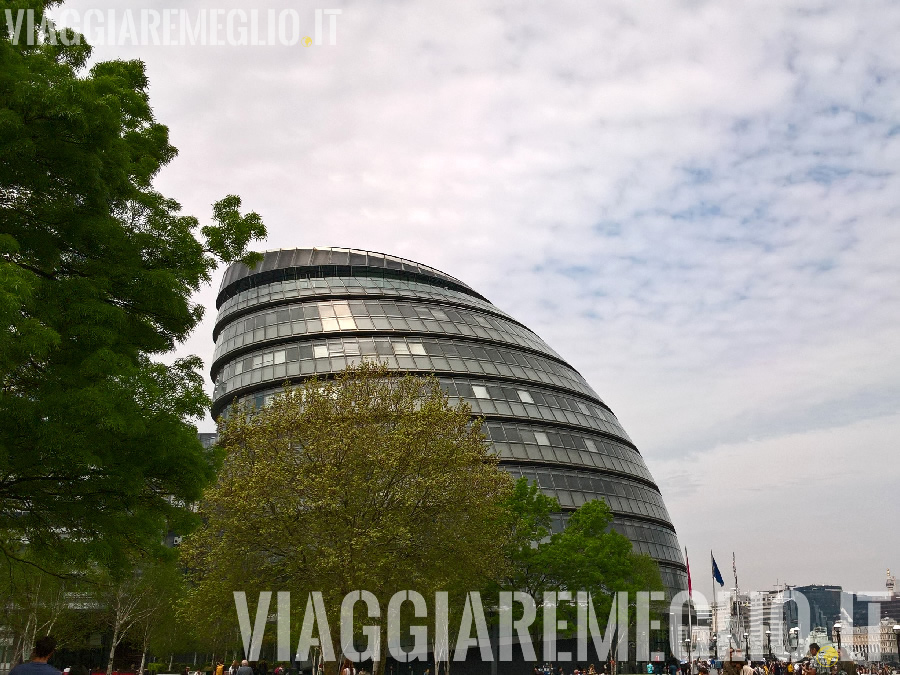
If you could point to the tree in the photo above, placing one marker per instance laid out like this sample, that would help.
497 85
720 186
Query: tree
157 608
32 604
586 556
98 454
529 516
125 600
372 481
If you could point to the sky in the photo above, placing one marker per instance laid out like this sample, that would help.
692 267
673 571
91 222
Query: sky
695 203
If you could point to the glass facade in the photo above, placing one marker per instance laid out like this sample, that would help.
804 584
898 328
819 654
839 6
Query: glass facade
315 311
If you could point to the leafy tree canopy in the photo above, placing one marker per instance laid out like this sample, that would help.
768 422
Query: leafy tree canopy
372 481
588 555
97 270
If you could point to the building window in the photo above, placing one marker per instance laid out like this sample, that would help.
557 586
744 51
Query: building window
525 397
480 392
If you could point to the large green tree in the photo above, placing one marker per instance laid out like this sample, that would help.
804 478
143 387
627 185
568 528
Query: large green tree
97 270
588 555
372 481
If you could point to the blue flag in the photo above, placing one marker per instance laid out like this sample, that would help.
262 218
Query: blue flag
717 575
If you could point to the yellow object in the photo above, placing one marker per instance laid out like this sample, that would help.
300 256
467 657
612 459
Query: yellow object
827 656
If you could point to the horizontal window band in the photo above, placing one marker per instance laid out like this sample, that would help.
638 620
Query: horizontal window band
671 565
243 350
562 425
450 374
219 405
258 279
646 520
308 321
556 466
489 378
223 322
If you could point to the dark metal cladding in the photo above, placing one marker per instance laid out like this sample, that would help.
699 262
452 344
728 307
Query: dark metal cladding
314 311
306 260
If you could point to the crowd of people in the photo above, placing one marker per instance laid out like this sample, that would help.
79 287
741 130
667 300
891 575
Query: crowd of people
812 664
605 669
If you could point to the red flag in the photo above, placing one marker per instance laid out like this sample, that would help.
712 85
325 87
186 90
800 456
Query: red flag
688 561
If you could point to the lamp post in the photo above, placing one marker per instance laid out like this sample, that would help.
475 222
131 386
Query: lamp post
747 646
769 642
897 636
837 633
794 639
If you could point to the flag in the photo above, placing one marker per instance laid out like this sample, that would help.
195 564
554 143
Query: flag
717 575
688 562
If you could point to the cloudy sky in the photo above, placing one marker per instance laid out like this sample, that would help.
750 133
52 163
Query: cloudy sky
695 203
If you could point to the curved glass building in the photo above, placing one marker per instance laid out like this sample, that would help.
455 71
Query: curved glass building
316 310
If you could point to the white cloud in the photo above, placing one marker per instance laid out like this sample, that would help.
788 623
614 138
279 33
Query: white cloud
803 508
694 202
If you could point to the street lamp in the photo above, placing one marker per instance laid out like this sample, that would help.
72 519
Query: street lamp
747 646
794 638
837 634
769 642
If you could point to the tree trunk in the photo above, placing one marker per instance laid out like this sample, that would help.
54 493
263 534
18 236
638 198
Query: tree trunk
112 651
380 659
144 650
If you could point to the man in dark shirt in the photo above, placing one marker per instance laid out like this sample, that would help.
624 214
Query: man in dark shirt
43 650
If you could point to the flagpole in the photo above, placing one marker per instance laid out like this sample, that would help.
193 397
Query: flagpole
737 605
690 606
712 570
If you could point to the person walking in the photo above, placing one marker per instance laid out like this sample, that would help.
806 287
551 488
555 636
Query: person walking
43 650
348 668
811 667
245 668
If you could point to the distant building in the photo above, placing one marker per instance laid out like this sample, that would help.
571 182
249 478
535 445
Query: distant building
824 605
888 603
879 644
753 613
730 620
767 621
